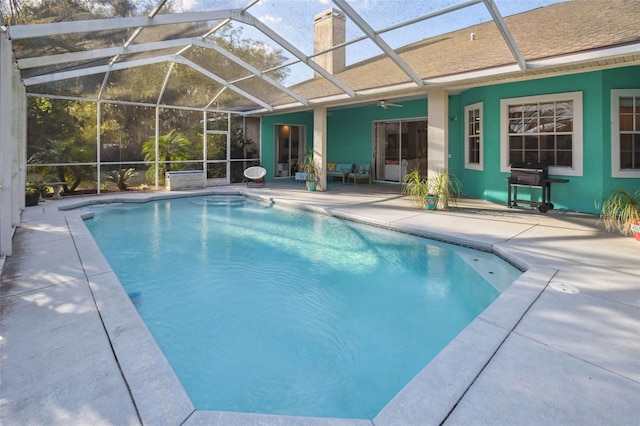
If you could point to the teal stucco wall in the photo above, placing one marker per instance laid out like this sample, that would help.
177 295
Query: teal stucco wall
583 193
268 135
350 135
620 78
350 131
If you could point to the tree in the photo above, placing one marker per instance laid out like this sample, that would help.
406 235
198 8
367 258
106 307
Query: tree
49 119
25 11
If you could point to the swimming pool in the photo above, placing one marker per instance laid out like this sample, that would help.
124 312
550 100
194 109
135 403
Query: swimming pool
274 310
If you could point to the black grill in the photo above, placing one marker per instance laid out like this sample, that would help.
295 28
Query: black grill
533 174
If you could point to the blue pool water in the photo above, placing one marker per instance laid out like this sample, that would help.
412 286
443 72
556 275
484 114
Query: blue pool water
266 309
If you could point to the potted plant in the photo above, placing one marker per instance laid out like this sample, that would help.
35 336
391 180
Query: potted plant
621 211
440 190
416 188
33 191
312 171
446 187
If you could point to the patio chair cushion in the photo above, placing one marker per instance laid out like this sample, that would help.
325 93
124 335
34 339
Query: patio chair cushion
255 175
255 172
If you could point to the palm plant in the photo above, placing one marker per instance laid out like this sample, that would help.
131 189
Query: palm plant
173 146
121 177
61 152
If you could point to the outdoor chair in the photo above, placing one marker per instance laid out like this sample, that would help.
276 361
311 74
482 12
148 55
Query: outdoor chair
255 175
363 172
340 170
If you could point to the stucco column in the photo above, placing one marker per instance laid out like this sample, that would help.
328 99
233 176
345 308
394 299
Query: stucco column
8 147
438 131
320 144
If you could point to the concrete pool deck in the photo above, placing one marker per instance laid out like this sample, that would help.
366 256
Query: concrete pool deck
560 346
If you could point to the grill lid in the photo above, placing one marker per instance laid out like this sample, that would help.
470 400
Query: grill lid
538 167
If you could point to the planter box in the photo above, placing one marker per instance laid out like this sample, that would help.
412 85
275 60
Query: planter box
185 179
31 200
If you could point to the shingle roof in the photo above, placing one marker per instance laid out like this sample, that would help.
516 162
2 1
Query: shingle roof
556 30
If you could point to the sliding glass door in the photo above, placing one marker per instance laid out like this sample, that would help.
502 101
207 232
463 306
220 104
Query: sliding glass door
400 146
290 148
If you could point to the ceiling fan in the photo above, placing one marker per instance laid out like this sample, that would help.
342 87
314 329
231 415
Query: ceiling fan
384 104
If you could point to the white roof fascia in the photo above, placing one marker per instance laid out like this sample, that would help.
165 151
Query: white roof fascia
41 61
585 57
19 32
472 75
370 32
507 71
249 19
214 46
506 34
539 65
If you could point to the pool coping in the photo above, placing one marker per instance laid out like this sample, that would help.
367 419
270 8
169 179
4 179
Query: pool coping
159 396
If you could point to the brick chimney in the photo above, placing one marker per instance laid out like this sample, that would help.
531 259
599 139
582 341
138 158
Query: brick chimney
329 31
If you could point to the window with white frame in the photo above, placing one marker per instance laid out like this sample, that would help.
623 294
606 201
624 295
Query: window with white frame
543 129
473 136
625 133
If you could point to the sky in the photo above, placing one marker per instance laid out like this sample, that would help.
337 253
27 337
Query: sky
293 20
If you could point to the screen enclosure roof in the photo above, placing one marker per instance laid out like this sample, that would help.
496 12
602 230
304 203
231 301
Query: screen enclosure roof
259 57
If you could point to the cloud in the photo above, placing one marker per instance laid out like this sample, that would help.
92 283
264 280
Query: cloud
364 4
185 5
268 19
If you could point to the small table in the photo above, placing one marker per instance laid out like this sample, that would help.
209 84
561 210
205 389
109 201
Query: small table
56 189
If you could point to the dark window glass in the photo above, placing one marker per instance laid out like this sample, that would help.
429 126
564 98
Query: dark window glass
549 129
